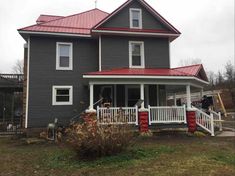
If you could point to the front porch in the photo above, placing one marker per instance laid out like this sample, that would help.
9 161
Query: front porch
139 97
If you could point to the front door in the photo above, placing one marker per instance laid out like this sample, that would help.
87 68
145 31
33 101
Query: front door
132 95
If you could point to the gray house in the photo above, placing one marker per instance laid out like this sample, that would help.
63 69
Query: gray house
116 59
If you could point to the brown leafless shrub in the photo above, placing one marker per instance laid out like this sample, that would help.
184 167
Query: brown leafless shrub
91 140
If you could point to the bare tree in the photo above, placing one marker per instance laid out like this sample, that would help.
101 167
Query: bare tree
190 61
211 78
18 68
219 78
229 71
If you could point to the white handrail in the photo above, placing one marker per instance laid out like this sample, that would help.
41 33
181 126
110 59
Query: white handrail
217 119
167 114
205 121
117 115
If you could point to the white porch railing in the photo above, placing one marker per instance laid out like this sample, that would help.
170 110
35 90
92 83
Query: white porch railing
167 114
217 119
116 115
205 121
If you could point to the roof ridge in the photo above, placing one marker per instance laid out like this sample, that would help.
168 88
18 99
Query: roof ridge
74 15
51 15
62 17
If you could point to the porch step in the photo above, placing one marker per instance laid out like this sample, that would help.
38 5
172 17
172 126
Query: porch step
167 126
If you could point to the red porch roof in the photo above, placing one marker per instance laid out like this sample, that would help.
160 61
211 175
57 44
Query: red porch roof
191 71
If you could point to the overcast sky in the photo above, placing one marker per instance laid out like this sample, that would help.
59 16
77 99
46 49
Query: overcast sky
207 26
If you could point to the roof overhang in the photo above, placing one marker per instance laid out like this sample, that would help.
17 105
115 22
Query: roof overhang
25 34
136 33
170 79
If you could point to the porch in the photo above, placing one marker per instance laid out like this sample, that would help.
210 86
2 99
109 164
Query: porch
139 96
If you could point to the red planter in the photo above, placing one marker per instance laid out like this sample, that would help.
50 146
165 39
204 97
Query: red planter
191 121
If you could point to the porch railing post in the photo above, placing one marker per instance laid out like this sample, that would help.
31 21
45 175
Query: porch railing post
188 93
185 118
98 113
220 122
136 115
212 125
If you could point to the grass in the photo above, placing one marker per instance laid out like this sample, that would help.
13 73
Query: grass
159 155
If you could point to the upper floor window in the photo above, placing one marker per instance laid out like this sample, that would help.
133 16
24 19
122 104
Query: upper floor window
136 54
135 18
64 56
62 95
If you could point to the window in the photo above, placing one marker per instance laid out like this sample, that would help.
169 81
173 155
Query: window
136 54
62 95
135 18
64 55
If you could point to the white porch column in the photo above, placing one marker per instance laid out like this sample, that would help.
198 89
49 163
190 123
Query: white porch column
142 95
174 99
91 107
201 93
158 97
188 94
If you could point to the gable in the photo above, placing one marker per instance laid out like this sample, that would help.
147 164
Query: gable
121 20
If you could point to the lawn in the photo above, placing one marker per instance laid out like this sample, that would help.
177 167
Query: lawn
165 154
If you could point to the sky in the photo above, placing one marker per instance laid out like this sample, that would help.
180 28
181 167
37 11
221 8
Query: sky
207 27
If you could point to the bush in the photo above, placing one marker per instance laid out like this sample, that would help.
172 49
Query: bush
90 140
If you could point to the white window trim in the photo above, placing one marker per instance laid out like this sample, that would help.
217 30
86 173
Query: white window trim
54 102
142 54
140 20
58 58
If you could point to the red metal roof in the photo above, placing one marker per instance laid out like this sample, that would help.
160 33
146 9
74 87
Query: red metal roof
192 70
82 23
77 24
46 18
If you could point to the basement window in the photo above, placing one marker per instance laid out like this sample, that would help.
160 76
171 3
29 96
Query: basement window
62 95
64 56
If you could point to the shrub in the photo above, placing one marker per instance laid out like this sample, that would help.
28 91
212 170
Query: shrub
90 140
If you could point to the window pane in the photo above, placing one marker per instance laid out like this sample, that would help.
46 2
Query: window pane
135 23
136 60
64 50
62 98
136 49
135 14
62 92
64 61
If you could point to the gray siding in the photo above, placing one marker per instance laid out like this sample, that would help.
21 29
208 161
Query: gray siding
43 76
121 20
115 52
